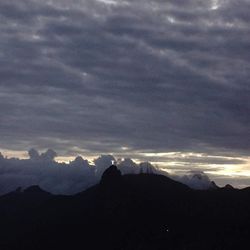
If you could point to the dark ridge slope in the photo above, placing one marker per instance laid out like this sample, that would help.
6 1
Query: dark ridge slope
143 211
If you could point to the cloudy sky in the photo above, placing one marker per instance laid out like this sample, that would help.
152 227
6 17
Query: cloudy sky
162 81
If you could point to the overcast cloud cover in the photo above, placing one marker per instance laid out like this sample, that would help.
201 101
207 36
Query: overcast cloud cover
128 78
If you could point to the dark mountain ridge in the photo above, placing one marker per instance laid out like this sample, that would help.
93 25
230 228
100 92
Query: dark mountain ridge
144 211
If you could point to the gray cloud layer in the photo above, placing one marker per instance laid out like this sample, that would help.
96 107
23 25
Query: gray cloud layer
148 75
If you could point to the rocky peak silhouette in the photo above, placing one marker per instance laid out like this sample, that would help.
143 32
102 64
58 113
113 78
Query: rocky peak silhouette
228 186
34 189
144 211
213 185
111 176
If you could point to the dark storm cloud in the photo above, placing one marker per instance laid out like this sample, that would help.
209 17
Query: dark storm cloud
148 75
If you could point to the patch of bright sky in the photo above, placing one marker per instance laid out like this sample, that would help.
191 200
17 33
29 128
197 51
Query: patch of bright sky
236 171
108 1
168 154
113 2
215 4
171 19
14 154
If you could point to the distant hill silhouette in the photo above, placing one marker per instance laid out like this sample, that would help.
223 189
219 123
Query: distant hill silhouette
228 186
143 211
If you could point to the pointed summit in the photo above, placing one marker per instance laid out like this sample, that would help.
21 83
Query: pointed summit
111 175
228 187
213 185
34 189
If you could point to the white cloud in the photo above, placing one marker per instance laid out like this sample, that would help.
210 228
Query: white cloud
196 180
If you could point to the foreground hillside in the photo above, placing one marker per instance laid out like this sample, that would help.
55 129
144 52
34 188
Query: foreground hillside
143 211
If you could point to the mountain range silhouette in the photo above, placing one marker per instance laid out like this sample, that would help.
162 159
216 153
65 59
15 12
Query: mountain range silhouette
129 212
